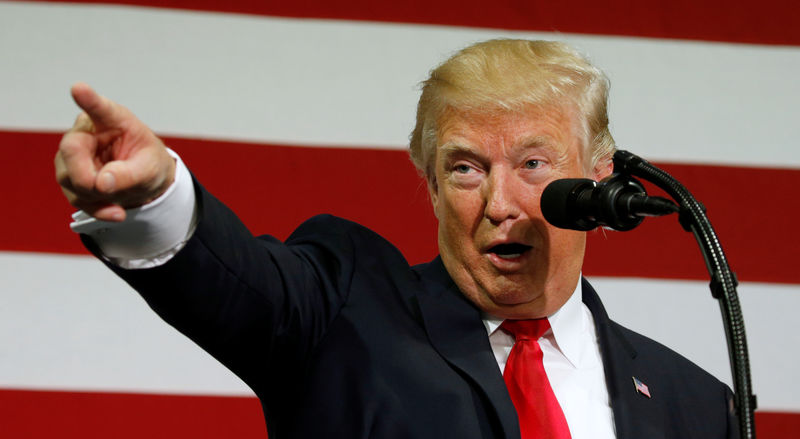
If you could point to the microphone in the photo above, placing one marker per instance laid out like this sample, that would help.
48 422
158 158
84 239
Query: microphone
618 202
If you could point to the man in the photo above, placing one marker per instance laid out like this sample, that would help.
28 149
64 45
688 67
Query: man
339 337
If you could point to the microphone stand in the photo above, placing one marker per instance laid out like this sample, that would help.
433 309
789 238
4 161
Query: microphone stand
692 217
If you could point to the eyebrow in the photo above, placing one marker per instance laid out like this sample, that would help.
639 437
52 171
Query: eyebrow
538 142
456 148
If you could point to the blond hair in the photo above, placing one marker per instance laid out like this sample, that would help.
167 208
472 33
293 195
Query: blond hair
510 75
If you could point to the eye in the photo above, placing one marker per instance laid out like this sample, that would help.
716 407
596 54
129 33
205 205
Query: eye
532 164
462 168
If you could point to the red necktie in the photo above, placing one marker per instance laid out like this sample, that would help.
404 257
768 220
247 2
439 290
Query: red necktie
540 415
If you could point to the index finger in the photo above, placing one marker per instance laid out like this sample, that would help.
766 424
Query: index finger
100 109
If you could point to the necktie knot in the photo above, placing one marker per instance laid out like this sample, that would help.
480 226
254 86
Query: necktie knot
531 329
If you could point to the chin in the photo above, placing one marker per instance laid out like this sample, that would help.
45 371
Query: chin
510 298
516 302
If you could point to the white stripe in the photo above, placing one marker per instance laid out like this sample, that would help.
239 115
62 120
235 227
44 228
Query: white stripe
66 322
326 82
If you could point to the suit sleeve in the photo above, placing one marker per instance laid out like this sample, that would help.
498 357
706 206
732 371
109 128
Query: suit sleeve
256 304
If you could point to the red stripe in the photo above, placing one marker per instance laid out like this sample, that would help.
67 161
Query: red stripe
770 22
777 425
29 414
274 188
44 414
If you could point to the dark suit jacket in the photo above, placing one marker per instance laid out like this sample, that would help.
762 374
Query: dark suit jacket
339 337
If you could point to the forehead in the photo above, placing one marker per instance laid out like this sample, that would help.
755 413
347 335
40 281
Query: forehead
553 127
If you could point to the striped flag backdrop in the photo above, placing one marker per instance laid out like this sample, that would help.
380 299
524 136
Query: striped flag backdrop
287 109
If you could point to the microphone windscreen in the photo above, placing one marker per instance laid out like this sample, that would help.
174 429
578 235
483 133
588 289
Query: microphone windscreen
559 203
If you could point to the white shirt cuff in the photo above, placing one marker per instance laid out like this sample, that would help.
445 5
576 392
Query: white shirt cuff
151 234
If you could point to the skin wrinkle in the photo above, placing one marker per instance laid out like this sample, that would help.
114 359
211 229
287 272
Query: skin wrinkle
490 169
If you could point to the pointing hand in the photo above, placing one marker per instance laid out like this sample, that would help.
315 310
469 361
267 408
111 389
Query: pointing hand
110 161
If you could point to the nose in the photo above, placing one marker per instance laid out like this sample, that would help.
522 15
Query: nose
500 196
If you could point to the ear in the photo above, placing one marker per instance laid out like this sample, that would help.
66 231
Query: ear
603 168
433 191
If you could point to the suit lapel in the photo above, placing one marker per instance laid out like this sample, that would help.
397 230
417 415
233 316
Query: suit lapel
631 409
457 332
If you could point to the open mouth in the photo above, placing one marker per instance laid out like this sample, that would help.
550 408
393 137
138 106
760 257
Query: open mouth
510 250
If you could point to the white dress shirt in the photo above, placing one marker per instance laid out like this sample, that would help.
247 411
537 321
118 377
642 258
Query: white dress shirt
152 234
571 357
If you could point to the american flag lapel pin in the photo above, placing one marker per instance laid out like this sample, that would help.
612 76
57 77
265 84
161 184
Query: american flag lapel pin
641 387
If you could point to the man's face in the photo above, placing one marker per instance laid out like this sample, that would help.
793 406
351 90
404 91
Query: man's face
490 171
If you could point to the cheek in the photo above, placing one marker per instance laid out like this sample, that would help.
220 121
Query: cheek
565 245
459 216
460 211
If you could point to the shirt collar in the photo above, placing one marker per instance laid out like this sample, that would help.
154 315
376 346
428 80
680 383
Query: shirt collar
567 324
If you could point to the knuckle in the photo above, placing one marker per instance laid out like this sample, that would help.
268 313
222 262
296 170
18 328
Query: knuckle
83 123
70 143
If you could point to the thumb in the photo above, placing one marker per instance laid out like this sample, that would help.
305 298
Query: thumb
120 176
136 180
100 109
114 176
